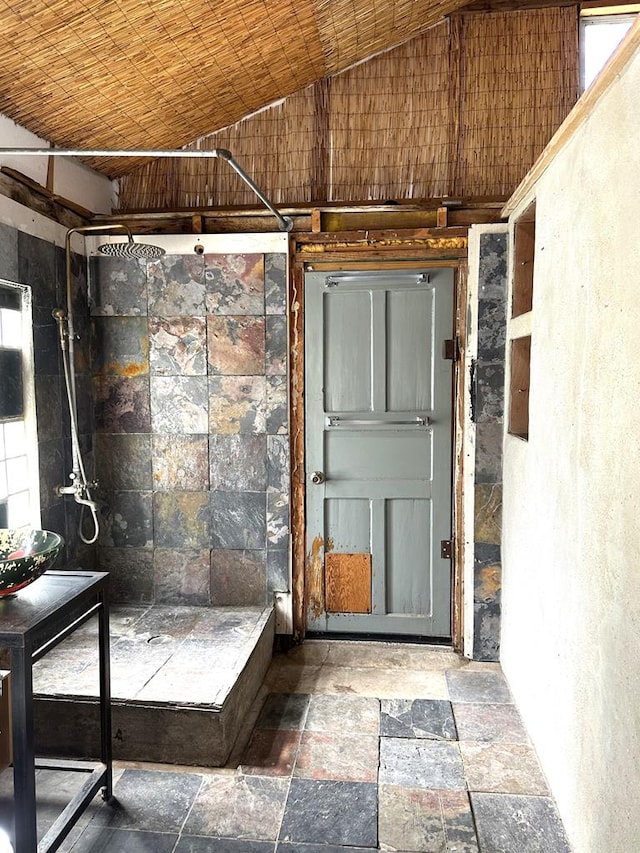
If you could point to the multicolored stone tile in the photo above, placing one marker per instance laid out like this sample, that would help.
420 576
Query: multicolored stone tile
416 763
504 768
343 757
120 346
275 275
277 418
507 823
493 266
176 286
330 812
490 391
278 574
284 711
238 462
150 800
181 519
236 345
488 513
271 753
178 346
49 408
489 722
235 284
238 578
344 714
489 451
487 610
417 718
428 821
122 404
492 330
118 286
130 573
179 404
238 806
238 520
180 462
237 404
277 519
466 685
278 473
123 461
181 576
276 346
129 520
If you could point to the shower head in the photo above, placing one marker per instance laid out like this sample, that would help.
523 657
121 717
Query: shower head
132 250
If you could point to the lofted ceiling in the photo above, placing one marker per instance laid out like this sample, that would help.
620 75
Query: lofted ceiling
123 74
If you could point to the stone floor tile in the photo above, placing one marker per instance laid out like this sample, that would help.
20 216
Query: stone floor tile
108 839
416 763
467 685
506 768
425 820
328 812
417 718
292 678
271 753
321 848
398 656
150 800
489 722
283 711
238 806
342 757
204 844
360 714
518 824
381 683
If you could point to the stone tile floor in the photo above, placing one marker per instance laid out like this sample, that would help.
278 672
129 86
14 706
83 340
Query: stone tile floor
350 748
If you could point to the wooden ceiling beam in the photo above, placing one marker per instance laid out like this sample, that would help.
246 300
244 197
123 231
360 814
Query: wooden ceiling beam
522 5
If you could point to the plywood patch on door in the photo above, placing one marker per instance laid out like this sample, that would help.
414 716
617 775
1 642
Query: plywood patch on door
348 583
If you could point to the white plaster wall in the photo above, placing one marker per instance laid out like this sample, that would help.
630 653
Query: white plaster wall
72 180
571 550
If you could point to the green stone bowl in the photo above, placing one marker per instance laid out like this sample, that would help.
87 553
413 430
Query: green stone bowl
24 556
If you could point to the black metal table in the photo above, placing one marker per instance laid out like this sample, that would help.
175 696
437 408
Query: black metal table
32 623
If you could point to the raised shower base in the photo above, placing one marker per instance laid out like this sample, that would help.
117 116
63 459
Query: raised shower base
182 680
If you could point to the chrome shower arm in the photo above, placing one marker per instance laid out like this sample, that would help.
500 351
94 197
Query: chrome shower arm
285 222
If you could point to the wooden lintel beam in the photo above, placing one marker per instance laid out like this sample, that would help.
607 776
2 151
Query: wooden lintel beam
41 202
524 5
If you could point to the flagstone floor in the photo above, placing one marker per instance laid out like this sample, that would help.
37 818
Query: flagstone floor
350 748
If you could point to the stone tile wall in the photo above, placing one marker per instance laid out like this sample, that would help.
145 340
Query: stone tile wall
29 260
489 416
192 451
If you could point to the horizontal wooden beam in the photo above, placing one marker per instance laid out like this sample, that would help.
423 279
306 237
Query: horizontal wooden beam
28 193
525 5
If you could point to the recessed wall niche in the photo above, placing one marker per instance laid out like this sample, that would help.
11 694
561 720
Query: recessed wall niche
524 238
519 387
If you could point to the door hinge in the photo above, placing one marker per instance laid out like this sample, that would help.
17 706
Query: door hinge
451 350
446 549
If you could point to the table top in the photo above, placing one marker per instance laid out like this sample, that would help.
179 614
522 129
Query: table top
46 597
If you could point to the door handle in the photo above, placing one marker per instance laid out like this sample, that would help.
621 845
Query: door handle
317 477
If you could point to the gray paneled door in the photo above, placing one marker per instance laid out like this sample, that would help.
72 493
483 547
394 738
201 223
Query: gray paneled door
378 396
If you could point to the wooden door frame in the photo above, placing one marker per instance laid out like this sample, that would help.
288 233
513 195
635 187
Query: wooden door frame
446 247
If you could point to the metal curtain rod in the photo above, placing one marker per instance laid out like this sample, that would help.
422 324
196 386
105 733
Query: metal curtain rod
285 222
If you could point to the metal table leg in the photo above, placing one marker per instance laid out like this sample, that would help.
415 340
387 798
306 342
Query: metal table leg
24 771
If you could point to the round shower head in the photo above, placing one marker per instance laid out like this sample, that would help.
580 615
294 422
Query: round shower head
132 250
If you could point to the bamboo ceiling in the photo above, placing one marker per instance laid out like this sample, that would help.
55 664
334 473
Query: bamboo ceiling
117 74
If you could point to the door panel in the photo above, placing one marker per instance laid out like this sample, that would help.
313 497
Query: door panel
378 432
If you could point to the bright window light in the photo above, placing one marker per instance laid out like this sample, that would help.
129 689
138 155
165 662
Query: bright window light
601 35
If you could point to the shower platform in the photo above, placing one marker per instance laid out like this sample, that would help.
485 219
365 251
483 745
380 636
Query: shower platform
182 681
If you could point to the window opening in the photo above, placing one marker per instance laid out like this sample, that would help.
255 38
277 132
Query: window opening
19 480
601 31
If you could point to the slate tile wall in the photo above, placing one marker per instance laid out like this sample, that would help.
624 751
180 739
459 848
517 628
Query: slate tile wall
489 425
29 260
192 451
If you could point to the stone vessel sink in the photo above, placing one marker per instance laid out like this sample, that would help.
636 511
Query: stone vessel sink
24 556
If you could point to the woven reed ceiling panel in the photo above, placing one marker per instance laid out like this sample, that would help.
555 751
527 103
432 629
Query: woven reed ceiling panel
160 73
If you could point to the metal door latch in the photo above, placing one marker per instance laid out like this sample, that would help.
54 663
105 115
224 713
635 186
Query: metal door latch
317 477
